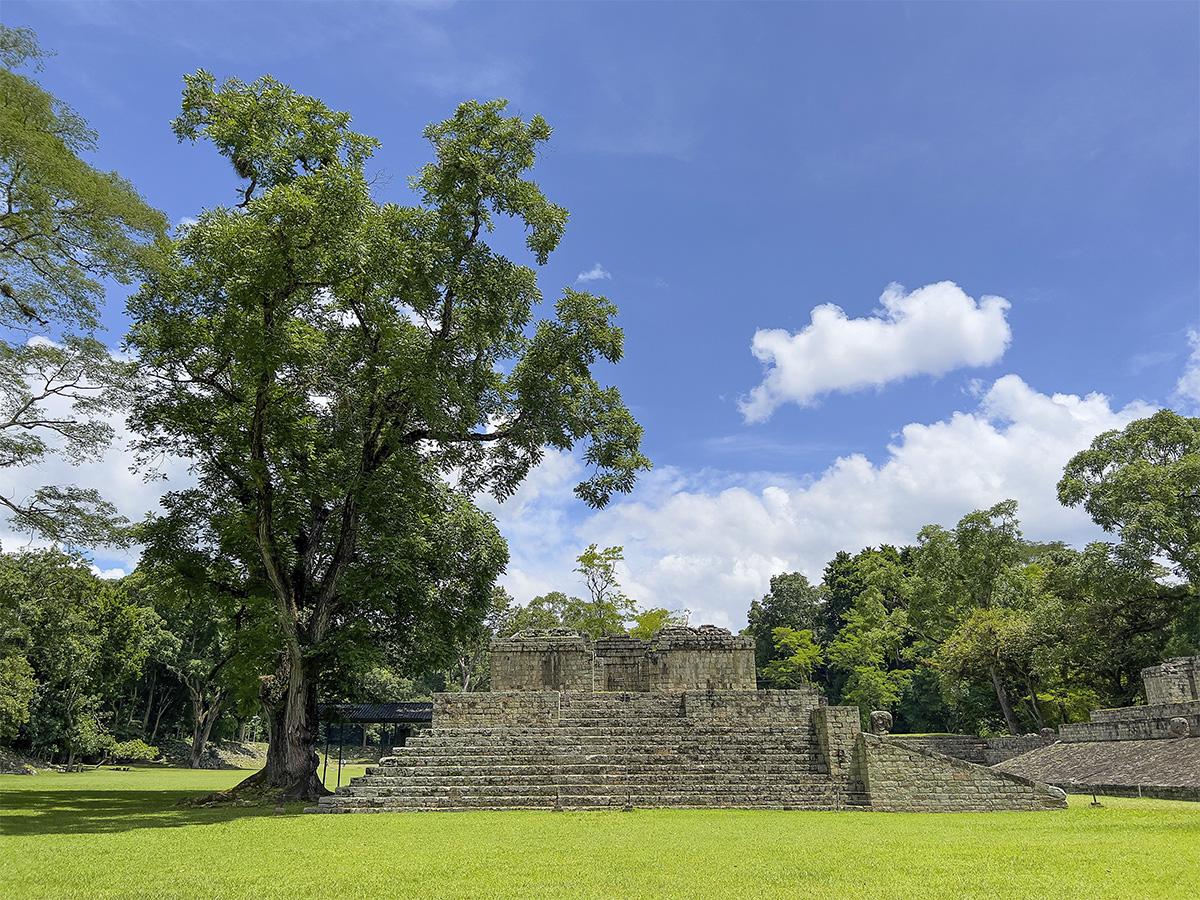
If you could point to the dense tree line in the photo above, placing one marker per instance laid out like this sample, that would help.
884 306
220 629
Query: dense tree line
976 629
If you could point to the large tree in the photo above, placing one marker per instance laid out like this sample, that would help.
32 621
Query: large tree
1143 482
329 363
64 228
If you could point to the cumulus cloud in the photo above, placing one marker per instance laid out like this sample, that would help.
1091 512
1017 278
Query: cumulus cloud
929 331
1187 389
710 543
595 273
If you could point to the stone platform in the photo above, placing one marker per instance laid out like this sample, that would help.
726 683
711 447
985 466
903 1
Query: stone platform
694 744
1149 751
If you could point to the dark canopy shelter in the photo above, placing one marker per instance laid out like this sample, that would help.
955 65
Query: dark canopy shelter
402 717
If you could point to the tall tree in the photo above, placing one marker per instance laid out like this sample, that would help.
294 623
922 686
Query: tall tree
793 602
327 362
64 228
1143 482
606 608
965 571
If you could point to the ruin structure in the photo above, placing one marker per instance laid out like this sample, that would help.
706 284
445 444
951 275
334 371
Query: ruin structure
1151 750
675 721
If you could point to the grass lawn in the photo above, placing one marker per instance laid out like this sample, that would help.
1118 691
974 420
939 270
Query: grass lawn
110 833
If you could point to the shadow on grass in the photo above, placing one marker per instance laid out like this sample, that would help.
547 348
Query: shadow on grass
92 812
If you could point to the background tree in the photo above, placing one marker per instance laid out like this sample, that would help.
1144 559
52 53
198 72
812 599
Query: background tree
1143 482
471 648
797 654
606 609
648 621
64 228
212 639
969 570
792 602
326 361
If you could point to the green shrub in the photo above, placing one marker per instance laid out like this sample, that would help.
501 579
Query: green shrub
135 750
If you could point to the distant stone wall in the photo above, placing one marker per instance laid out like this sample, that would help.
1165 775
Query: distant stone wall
621 664
1168 769
901 778
555 660
984 751
705 658
1133 723
790 708
491 708
1174 681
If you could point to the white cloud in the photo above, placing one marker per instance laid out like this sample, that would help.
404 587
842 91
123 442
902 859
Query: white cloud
595 273
109 574
711 543
1187 388
109 473
929 331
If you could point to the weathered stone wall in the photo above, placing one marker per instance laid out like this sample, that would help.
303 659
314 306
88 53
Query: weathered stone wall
621 664
554 660
789 708
900 778
1169 769
705 658
984 751
1133 723
837 730
1174 681
488 708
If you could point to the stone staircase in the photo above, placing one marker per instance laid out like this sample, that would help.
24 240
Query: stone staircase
604 751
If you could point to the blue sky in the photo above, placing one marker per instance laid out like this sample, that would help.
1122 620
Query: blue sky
728 169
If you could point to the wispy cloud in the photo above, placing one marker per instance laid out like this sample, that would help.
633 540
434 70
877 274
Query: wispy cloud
1187 389
595 273
1140 362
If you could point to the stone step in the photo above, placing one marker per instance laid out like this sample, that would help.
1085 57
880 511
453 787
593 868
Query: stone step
601 761
615 785
432 769
685 800
558 779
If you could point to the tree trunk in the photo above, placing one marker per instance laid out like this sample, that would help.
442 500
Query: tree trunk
290 707
1005 706
1033 702
205 712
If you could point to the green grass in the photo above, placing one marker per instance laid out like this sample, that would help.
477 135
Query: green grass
120 834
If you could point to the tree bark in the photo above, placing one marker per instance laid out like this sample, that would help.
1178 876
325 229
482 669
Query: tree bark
205 712
290 707
1005 705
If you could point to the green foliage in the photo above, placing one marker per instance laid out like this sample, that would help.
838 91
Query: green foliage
329 362
792 603
797 654
1143 482
134 750
606 609
542 612
84 641
64 228
648 621
868 652
17 690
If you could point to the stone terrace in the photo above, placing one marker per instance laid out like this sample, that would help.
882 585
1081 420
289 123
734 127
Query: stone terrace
694 735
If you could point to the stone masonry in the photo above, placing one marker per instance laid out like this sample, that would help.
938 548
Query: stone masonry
1151 750
1175 681
694 733
556 660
